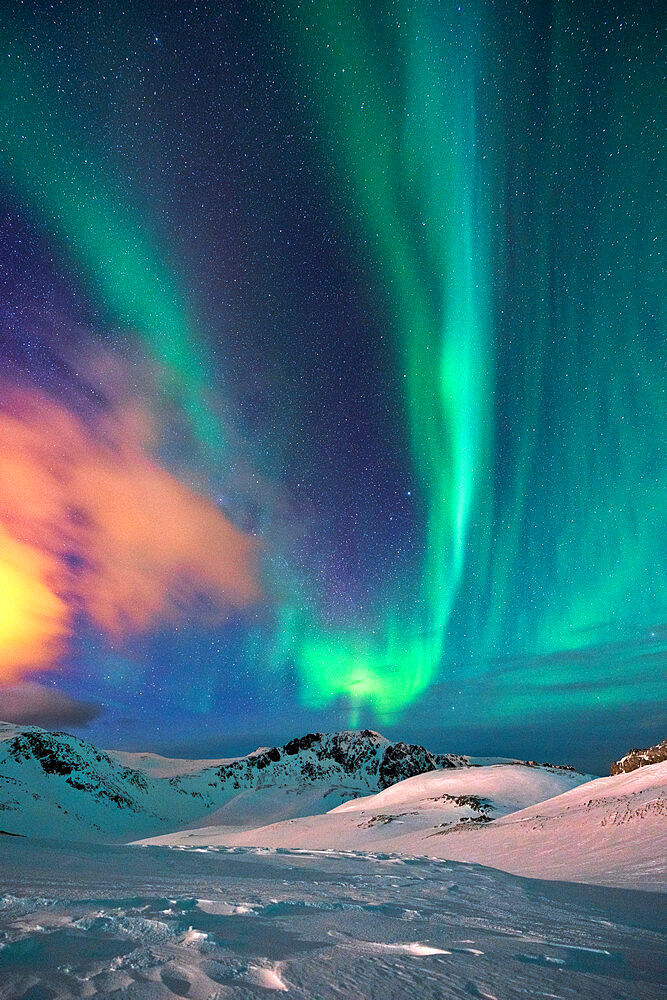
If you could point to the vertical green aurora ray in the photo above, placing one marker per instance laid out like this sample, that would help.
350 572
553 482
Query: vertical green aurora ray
417 181
611 297
448 363
579 558
57 177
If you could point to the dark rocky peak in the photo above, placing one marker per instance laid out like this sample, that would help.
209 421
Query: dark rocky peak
56 753
353 758
360 760
83 766
640 758
449 760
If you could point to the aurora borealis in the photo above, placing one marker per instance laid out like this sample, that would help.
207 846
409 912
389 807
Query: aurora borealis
333 380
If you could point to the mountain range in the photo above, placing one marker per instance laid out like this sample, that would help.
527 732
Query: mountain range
59 786
351 791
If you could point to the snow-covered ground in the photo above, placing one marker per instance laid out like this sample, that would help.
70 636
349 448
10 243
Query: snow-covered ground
92 920
321 874
537 821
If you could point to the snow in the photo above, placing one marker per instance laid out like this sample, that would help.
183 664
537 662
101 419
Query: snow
546 823
155 923
507 787
611 831
403 892
156 766
56 785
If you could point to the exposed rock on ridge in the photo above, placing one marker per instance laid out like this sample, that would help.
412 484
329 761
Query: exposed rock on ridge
640 758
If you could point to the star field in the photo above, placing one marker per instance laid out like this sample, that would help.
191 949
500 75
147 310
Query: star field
332 382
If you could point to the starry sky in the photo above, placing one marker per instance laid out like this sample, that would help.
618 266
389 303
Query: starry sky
332 380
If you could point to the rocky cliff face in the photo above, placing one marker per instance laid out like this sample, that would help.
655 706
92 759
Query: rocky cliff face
55 785
640 758
359 759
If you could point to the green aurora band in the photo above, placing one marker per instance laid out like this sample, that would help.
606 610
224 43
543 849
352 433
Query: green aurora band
49 161
418 179
512 227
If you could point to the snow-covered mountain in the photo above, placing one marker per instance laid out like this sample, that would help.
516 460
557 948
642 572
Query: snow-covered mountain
640 758
343 791
56 785
528 820
399 817
611 831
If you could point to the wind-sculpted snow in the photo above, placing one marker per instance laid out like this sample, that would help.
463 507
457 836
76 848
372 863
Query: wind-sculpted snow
56 785
242 924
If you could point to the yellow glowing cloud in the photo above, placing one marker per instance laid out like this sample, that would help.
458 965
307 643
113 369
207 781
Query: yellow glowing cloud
91 523
33 619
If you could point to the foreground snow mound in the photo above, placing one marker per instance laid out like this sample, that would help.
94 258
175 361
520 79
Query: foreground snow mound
394 818
536 821
56 785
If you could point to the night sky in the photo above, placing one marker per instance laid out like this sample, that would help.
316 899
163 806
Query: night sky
332 378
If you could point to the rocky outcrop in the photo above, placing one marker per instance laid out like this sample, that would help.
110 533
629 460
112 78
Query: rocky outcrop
358 759
640 758
56 785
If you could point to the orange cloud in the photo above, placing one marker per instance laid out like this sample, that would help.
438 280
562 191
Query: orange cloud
33 619
91 523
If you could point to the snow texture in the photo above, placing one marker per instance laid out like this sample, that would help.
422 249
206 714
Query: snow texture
95 920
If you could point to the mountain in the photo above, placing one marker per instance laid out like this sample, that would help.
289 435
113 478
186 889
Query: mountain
351 790
402 817
611 831
56 785
640 758
540 822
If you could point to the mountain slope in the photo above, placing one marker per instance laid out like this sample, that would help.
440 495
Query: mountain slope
612 831
56 785
395 818
607 831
